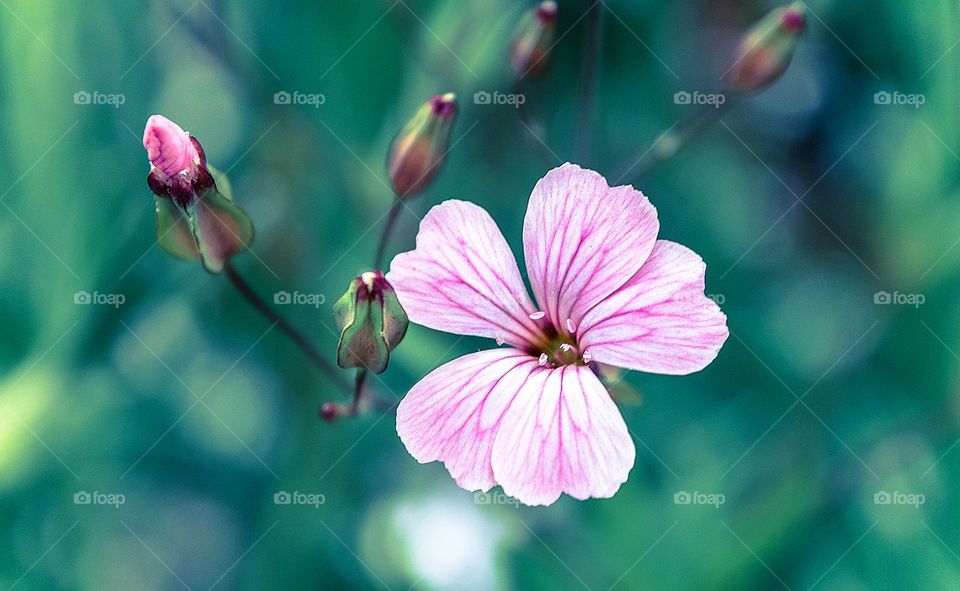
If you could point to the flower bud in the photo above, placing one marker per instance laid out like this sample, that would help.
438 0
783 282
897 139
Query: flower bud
195 220
177 161
417 152
531 47
766 50
329 411
371 323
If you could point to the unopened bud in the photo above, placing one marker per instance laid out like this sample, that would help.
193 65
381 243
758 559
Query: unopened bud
767 48
371 323
194 219
177 162
329 411
418 151
531 48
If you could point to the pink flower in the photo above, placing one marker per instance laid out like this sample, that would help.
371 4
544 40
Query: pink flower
534 417
169 147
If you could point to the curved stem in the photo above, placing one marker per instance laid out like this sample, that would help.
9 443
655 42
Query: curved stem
588 79
358 390
288 329
670 142
530 123
392 216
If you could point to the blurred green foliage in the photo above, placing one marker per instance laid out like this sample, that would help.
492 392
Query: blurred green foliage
185 403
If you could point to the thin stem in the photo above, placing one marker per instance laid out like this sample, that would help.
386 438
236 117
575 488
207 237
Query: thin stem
288 329
672 141
358 390
392 216
531 123
588 79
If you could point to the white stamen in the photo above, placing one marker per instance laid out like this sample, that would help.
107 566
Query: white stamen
368 278
566 347
570 326
538 315
543 359
499 341
587 356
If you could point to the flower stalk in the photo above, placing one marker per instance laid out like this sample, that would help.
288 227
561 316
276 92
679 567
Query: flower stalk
588 79
369 316
762 57
197 219
295 336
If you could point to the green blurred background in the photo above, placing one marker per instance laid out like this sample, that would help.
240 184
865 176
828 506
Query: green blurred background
182 401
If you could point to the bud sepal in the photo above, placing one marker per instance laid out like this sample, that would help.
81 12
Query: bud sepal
371 321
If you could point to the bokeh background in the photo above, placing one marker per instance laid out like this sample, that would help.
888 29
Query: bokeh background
806 202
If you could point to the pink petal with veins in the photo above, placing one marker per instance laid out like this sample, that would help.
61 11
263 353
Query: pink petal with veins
453 414
660 321
583 239
562 434
462 277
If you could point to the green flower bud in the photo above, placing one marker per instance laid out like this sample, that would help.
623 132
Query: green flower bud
531 47
766 50
371 323
417 152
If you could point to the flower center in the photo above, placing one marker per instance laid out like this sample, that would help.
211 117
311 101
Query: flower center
562 350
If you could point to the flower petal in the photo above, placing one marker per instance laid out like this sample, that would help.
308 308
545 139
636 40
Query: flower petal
583 239
453 414
660 321
169 147
462 277
562 434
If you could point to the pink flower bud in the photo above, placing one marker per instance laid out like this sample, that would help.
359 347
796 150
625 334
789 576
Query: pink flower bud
178 166
766 50
194 219
329 411
531 47
170 148
417 152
